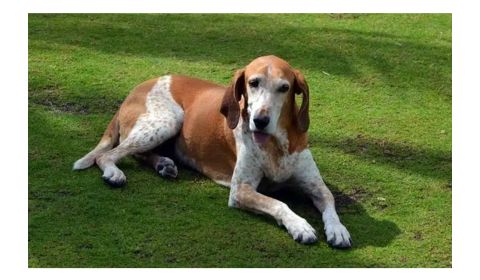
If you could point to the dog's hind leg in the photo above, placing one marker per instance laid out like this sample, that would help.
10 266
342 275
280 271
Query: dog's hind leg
145 136
162 120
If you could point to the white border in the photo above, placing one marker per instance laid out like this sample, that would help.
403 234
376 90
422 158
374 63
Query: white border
466 138
241 6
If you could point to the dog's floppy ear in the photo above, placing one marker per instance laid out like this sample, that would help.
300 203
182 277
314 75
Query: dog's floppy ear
300 86
230 107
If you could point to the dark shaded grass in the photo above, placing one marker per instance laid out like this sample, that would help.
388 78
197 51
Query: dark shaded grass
380 133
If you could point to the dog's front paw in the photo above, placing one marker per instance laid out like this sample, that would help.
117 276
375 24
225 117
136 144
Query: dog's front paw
114 177
301 231
337 235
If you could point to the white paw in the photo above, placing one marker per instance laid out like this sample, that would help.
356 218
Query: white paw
301 231
337 235
114 177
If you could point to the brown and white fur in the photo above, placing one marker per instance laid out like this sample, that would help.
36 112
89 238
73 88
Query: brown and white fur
235 135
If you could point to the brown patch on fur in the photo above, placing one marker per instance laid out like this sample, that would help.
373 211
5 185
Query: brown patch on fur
300 86
278 68
275 152
248 198
205 136
134 106
111 134
297 141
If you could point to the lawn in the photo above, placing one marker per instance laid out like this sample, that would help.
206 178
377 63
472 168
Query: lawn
381 134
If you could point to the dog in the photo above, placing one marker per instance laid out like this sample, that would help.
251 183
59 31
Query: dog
239 135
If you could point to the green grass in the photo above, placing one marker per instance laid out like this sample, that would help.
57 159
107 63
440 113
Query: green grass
380 134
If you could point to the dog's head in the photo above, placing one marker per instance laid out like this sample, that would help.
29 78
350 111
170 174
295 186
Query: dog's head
268 86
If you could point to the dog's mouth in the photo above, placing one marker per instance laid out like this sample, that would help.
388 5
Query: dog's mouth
260 137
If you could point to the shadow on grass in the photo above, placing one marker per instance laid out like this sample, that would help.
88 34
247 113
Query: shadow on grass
236 39
364 229
435 164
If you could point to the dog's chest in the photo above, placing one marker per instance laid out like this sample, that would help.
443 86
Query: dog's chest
278 169
276 163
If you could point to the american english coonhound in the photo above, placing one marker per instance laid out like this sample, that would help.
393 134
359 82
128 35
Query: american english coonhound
239 135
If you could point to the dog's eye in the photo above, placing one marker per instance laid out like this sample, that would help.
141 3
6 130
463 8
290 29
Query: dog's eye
253 83
284 88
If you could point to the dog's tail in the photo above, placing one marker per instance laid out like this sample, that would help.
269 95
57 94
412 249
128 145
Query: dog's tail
109 141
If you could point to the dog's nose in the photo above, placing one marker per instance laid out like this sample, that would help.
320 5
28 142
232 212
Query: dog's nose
261 122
